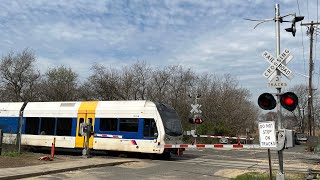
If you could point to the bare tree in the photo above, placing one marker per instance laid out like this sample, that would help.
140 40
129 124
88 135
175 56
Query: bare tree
180 84
104 83
59 84
226 106
141 77
159 84
18 76
127 84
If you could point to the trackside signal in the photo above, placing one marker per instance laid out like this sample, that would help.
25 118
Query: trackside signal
191 120
198 121
289 101
195 120
266 101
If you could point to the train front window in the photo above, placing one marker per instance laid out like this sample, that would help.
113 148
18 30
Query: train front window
171 122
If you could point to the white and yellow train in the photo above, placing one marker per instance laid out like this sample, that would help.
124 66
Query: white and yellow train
127 126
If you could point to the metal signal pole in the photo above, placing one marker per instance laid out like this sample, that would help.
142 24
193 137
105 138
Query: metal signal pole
280 175
281 132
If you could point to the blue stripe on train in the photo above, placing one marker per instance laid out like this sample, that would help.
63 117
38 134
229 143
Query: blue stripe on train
9 124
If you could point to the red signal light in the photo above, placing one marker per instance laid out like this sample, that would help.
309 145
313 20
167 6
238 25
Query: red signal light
289 101
198 121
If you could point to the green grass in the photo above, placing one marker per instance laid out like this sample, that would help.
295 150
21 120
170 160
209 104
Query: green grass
265 176
11 153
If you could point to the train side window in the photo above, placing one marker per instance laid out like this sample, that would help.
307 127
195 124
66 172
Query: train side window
32 125
129 125
108 124
149 128
81 120
64 126
47 126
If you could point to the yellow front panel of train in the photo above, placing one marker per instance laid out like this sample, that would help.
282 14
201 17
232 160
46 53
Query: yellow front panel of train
86 113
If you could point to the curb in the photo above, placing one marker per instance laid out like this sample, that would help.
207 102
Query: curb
19 176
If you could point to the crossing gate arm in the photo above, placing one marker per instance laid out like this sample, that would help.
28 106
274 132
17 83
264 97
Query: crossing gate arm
212 146
219 137
192 133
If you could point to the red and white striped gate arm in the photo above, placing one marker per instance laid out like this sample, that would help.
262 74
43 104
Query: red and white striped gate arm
219 137
212 146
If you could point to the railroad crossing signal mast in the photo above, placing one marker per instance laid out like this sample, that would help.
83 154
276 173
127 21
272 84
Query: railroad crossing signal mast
288 100
196 114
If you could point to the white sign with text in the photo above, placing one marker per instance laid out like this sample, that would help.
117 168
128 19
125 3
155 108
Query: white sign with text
267 134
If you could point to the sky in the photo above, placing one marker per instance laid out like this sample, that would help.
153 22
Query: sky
208 36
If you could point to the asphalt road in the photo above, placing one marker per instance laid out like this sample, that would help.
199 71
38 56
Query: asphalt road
198 164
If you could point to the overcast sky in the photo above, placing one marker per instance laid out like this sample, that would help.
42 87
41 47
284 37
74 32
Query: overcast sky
207 36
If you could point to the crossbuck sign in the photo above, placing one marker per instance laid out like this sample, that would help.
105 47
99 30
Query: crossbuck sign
196 108
277 64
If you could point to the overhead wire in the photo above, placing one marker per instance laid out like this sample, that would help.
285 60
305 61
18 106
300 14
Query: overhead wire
302 43
308 9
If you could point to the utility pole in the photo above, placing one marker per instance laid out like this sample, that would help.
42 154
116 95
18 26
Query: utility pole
310 90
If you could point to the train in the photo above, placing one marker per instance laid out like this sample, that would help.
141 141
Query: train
128 126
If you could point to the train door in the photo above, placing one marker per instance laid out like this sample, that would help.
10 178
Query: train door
86 113
87 118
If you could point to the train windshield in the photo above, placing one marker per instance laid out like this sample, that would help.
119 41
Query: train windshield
171 121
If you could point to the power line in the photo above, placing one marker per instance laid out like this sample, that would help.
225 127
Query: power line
303 57
308 9
298 7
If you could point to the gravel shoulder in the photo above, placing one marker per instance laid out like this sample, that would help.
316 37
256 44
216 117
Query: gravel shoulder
29 159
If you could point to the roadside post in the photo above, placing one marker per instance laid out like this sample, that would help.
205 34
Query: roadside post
85 129
196 114
53 148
